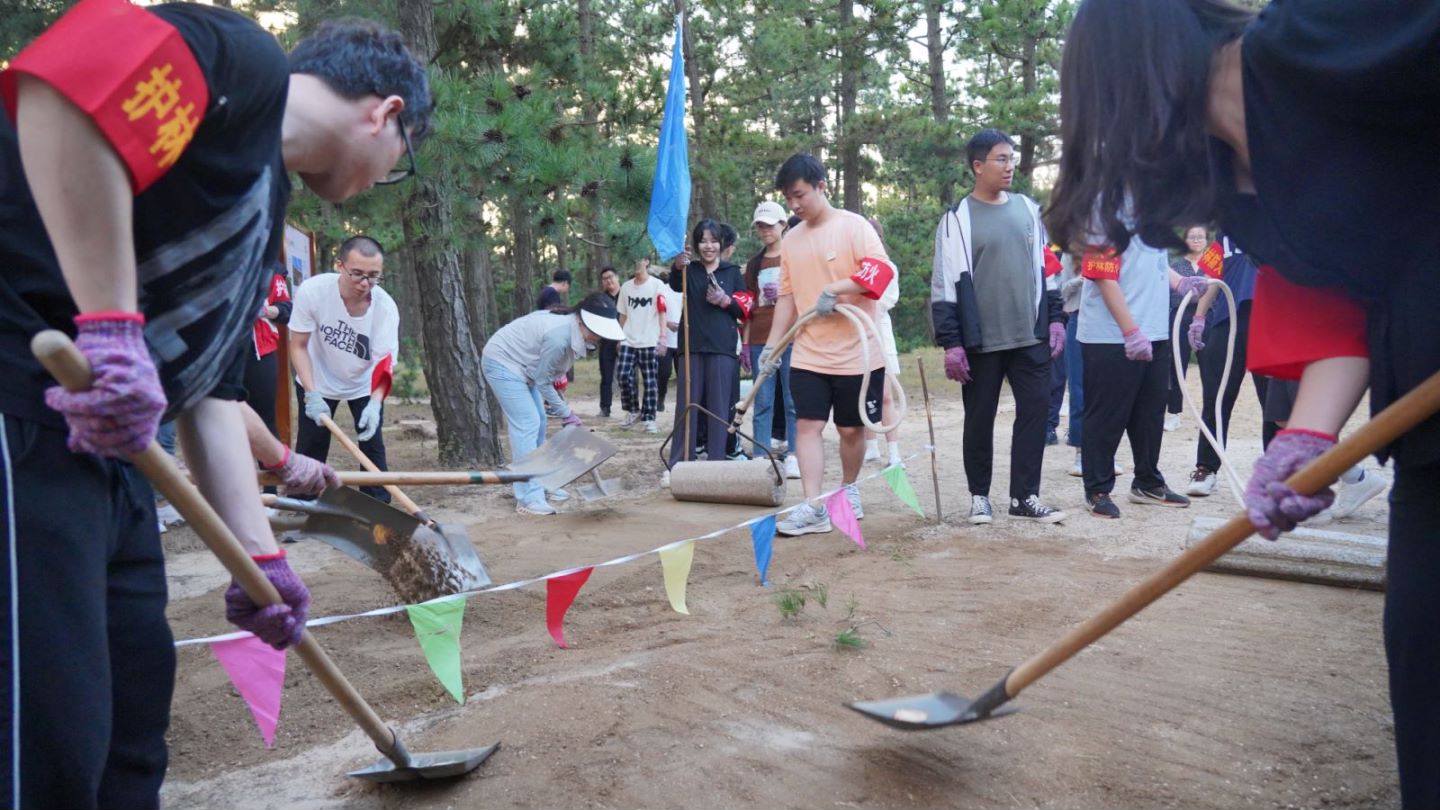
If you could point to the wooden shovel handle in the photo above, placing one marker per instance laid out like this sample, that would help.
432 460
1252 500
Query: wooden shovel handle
68 366
439 478
1387 426
365 462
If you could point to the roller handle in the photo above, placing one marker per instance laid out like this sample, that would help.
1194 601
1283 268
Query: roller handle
58 354
1387 426
404 500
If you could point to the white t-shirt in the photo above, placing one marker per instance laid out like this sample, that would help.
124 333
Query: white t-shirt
673 304
343 348
637 303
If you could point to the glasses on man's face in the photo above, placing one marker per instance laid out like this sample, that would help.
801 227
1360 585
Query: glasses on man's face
396 175
1005 160
373 279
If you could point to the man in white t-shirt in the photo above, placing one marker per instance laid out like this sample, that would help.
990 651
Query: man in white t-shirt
642 315
344 333
668 362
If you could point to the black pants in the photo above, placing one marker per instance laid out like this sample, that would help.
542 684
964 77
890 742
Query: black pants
713 380
1122 396
609 355
1212 365
1412 631
1058 378
261 388
314 441
96 658
664 366
1176 403
1028 371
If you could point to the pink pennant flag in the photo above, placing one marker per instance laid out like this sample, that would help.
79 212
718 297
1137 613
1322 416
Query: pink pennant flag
560 593
258 672
842 517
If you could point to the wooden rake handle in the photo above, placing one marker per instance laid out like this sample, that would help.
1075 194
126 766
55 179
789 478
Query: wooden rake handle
436 478
67 365
1387 426
404 500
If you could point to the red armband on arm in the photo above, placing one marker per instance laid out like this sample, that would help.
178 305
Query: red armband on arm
1100 265
279 290
1212 261
746 302
130 72
1052 264
1293 326
874 275
383 375
660 303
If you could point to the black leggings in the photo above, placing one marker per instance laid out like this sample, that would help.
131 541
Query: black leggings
1412 631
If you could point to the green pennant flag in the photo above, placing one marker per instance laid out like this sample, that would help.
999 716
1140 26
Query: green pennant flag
437 628
900 485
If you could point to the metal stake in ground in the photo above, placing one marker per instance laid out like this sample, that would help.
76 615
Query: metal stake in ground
940 709
934 450
65 362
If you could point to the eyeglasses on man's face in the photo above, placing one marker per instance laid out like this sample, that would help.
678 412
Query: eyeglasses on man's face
398 174
1005 160
373 279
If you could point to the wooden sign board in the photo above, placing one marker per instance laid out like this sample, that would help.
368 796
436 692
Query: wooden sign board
298 256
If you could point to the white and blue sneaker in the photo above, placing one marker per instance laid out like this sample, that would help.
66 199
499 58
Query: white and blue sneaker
804 519
852 494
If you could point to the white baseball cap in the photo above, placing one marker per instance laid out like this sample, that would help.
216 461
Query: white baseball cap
769 213
598 314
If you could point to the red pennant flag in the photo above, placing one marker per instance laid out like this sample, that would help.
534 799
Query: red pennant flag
1212 261
1052 263
560 593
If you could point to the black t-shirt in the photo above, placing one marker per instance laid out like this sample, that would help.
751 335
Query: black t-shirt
1342 115
206 233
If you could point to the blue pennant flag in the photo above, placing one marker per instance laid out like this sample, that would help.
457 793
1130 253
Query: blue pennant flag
670 195
762 534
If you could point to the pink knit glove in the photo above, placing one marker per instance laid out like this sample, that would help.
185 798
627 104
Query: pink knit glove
1057 339
1196 334
282 625
717 296
1137 346
1192 284
957 365
121 412
1274 507
302 475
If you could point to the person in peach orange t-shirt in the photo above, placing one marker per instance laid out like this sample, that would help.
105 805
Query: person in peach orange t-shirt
833 256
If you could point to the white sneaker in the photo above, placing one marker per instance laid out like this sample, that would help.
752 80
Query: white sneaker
650 426
629 421
779 444
168 515
1202 483
1172 421
665 480
1076 470
872 454
981 512
1119 468
537 507
557 495
804 519
852 494
792 468
1352 496
897 461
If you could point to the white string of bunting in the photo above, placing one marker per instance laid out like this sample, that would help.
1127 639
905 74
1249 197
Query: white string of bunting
628 558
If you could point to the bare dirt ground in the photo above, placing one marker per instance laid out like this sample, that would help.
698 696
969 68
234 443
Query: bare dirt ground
1229 692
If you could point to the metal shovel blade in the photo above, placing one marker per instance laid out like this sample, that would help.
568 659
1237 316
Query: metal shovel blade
439 765
926 712
564 457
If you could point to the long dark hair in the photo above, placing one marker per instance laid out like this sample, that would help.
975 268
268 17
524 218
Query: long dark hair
1134 89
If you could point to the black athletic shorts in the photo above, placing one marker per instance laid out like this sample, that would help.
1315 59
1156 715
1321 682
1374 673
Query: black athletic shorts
815 394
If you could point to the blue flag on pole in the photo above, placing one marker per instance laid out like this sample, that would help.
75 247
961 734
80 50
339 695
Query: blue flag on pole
670 195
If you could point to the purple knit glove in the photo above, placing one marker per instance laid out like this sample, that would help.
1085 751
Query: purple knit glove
717 296
1274 507
1057 339
280 626
770 292
572 420
120 413
1137 346
1196 334
302 475
1192 284
745 358
957 365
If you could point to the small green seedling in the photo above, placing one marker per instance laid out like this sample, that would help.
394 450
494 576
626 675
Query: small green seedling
849 639
790 603
822 595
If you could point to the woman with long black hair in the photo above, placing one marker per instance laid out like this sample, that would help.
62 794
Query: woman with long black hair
1307 132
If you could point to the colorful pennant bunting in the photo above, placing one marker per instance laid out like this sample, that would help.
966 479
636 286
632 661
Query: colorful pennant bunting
762 536
900 484
843 517
560 593
675 562
258 672
437 628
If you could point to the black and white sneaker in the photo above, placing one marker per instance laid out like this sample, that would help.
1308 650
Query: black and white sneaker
1159 496
980 510
1032 509
1100 505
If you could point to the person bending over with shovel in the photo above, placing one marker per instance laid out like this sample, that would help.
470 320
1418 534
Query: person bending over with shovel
143 161
521 363
833 256
1283 127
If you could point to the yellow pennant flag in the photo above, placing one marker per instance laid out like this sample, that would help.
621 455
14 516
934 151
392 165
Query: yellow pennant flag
676 564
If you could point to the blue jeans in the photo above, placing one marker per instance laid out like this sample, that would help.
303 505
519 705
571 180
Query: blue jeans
765 402
524 420
1075 370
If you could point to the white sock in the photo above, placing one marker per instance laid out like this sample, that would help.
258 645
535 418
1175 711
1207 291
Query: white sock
894 452
871 447
1354 475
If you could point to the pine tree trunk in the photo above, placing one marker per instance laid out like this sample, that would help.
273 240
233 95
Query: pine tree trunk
407 299
467 425
1028 81
850 66
939 93
704 189
522 256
